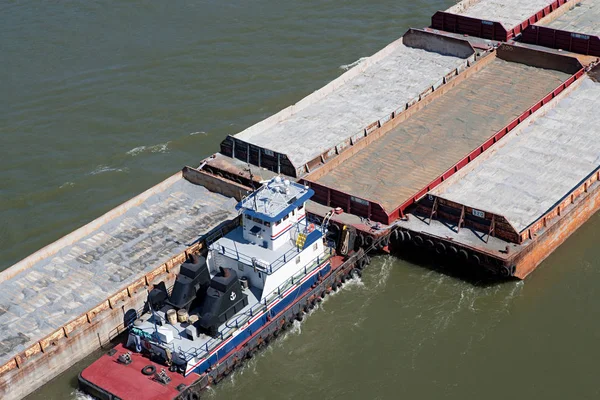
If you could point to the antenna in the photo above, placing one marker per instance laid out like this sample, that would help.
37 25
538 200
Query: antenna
154 316
249 171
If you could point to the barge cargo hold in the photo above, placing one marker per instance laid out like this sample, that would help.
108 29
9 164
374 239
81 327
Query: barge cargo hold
576 29
532 190
500 20
415 150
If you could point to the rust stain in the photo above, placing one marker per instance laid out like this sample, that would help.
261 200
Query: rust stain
52 339
113 301
12 364
150 277
77 322
545 243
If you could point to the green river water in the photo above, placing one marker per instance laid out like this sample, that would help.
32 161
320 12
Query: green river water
101 100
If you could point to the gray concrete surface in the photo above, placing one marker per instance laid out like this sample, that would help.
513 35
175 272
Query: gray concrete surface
349 104
509 13
397 166
582 18
535 167
57 289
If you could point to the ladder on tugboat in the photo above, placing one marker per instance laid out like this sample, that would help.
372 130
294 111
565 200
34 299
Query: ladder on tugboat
300 240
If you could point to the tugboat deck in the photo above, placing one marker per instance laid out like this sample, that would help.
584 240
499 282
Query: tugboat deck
395 167
181 342
57 284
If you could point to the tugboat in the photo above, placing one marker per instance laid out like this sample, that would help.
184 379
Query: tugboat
246 287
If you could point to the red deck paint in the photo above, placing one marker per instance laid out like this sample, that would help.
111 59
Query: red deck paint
128 382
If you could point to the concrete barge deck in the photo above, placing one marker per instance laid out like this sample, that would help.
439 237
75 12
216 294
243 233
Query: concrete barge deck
408 158
500 20
583 17
530 190
509 13
67 286
339 113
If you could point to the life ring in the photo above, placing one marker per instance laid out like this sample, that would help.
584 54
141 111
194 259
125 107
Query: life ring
148 370
310 228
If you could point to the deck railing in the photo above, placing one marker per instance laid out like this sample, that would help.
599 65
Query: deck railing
231 326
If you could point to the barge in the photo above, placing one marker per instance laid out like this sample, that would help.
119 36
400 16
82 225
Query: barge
77 294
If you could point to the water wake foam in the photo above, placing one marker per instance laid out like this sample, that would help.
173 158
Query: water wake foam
66 185
346 67
100 169
157 148
77 395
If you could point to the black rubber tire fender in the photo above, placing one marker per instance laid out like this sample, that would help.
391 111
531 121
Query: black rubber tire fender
429 243
401 236
463 254
369 240
476 259
407 236
452 250
149 370
360 241
504 271
418 240
440 248
395 236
